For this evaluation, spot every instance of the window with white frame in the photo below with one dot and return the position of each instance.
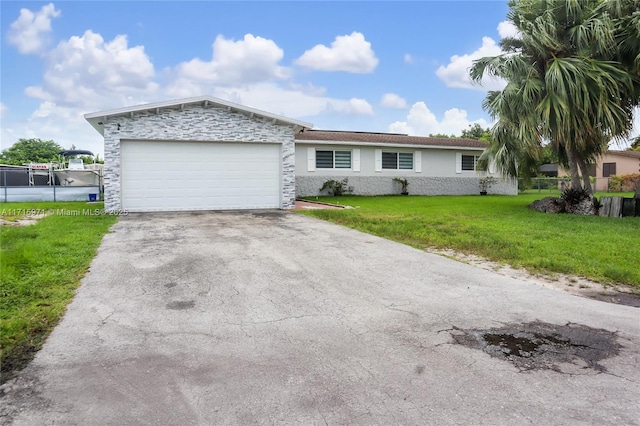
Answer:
(333, 159)
(397, 160)
(469, 162)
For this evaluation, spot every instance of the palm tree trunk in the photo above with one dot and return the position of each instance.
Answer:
(586, 180)
(573, 168)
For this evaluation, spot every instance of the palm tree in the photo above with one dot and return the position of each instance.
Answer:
(571, 78)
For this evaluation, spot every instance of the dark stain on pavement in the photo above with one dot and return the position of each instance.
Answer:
(619, 298)
(179, 305)
(542, 346)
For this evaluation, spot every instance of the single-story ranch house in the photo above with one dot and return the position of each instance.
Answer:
(205, 153)
(611, 163)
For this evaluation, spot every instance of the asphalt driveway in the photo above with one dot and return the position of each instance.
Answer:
(276, 318)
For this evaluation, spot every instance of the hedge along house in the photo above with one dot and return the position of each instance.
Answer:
(198, 153)
(370, 162)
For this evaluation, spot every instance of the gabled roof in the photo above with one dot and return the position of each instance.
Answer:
(97, 118)
(633, 154)
(369, 138)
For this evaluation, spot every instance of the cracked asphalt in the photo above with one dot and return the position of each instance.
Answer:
(276, 318)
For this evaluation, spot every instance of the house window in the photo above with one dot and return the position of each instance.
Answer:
(469, 162)
(397, 160)
(333, 159)
(608, 169)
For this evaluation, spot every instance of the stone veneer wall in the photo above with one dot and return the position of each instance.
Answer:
(194, 123)
(308, 186)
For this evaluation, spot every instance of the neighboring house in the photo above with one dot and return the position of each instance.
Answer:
(370, 161)
(548, 170)
(612, 163)
(205, 153)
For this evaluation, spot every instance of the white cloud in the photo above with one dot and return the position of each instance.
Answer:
(635, 131)
(3, 109)
(86, 71)
(86, 74)
(408, 59)
(247, 72)
(422, 122)
(289, 100)
(391, 100)
(65, 125)
(456, 73)
(44, 110)
(356, 106)
(636, 122)
(350, 53)
(29, 33)
(507, 29)
(250, 60)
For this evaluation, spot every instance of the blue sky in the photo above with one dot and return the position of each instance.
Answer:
(371, 66)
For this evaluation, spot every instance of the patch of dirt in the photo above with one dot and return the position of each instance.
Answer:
(537, 345)
(25, 221)
(618, 294)
(15, 360)
(309, 205)
(18, 394)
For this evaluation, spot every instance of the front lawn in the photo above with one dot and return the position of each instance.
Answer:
(40, 267)
(501, 229)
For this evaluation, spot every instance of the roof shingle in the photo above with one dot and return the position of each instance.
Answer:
(391, 138)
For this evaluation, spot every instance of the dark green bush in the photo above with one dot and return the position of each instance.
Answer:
(626, 182)
(573, 196)
(335, 187)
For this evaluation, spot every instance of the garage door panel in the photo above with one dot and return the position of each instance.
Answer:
(166, 176)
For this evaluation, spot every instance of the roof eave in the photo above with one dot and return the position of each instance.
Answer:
(96, 119)
(389, 144)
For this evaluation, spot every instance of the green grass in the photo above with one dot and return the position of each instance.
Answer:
(501, 229)
(40, 267)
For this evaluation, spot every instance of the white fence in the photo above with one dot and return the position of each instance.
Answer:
(49, 193)
(27, 183)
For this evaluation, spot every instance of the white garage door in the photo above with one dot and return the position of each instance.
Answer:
(171, 176)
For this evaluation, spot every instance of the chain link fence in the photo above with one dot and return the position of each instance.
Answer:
(559, 184)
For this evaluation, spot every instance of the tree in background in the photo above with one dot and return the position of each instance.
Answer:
(572, 81)
(31, 150)
(87, 159)
(635, 145)
(441, 135)
(476, 131)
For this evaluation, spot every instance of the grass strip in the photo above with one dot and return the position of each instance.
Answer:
(40, 267)
(501, 229)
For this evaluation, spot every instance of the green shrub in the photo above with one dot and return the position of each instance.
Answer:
(624, 183)
(404, 183)
(335, 187)
(573, 196)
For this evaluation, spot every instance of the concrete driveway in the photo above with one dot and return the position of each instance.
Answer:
(276, 318)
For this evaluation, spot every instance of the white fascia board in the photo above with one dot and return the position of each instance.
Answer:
(390, 145)
(98, 117)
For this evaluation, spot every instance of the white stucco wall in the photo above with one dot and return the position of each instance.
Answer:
(195, 122)
(437, 175)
